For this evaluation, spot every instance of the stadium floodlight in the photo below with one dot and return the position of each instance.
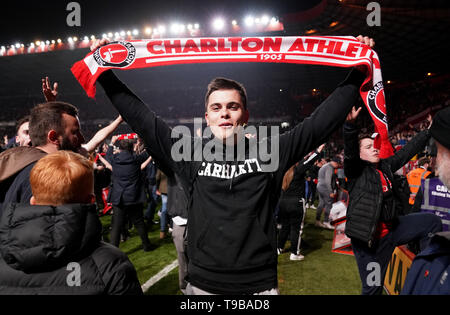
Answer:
(218, 24)
(129, 33)
(249, 21)
(148, 30)
(122, 33)
(110, 34)
(234, 22)
(265, 20)
(75, 38)
(196, 26)
(175, 28)
(135, 32)
(161, 29)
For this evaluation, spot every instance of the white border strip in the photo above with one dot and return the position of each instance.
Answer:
(150, 282)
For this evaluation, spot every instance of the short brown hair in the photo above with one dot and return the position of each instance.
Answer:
(62, 177)
(48, 116)
(226, 84)
(422, 161)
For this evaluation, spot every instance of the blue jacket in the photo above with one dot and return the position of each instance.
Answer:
(430, 270)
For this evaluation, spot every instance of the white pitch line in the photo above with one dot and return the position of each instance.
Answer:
(150, 282)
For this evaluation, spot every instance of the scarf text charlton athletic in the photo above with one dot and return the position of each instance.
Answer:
(336, 51)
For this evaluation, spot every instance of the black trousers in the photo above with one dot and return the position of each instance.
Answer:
(290, 217)
(134, 213)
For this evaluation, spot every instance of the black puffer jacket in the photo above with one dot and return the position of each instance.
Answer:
(46, 250)
(366, 196)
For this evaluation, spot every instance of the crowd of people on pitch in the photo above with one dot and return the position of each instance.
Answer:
(230, 213)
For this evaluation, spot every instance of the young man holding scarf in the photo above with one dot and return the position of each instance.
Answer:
(374, 223)
(232, 234)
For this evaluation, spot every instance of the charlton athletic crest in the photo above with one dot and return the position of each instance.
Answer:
(116, 54)
(376, 102)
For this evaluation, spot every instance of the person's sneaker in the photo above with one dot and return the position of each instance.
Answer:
(313, 207)
(296, 257)
(327, 225)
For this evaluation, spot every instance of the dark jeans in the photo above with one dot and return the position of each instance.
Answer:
(311, 196)
(134, 213)
(152, 202)
(290, 217)
(415, 226)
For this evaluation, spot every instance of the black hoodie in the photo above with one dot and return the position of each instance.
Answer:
(44, 248)
(231, 238)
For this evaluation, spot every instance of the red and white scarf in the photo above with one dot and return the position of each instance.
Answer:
(337, 51)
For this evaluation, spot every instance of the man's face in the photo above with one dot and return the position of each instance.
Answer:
(23, 136)
(72, 139)
(443, 164)
(225, 113)
(367, 152)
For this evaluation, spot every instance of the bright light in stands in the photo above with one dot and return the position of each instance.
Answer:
(249, 21)
(17, 45)
(196, 26)
(32, 45)
(59, 41)
(135, 32)
(265, 20)
(333, 24)
(122, 33)
(234, 22)
(161, 29)
(176, 28)
(110, 34)
(86, 39)
(148, 30)
(273, 20)
(70, 40)
(218, 24)
(75, 38)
